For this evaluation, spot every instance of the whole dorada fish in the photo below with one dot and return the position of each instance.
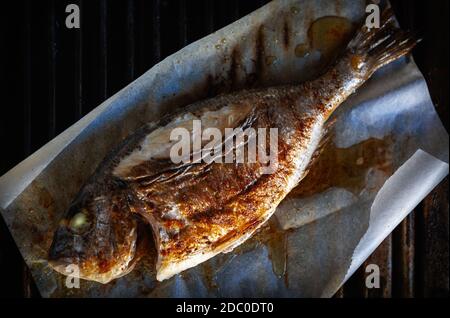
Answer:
(200, 208)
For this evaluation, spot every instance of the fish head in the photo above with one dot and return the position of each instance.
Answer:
(96, 240)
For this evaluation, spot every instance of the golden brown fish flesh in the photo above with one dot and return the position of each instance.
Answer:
(200, 208)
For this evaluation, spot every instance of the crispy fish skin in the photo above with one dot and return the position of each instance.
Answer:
(198, 210)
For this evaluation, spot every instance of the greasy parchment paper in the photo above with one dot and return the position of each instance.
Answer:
(387, 151)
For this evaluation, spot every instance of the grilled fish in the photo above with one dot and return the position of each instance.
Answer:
(199, 209)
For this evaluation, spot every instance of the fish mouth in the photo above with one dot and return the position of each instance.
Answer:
(63, 262)
(71, 269)
(66, 267)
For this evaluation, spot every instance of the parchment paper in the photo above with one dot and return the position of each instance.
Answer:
(387, 152)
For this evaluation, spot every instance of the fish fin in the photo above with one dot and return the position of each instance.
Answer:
(329, 124)
(158, 170)
(326, 139)
(380, 46)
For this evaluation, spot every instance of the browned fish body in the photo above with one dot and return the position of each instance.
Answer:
(200, 209)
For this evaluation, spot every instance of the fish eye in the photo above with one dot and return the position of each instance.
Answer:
(80, 222)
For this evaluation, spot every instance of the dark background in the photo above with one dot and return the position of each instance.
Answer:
(52, 76)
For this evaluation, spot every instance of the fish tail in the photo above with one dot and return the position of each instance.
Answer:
(379, 46)
(369, 50)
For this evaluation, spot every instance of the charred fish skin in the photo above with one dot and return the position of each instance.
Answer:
(222, 217)
(198, 210)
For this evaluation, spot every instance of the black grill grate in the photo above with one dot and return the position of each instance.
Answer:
(53, 76)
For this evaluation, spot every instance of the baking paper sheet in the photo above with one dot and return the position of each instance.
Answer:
(387, 152)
